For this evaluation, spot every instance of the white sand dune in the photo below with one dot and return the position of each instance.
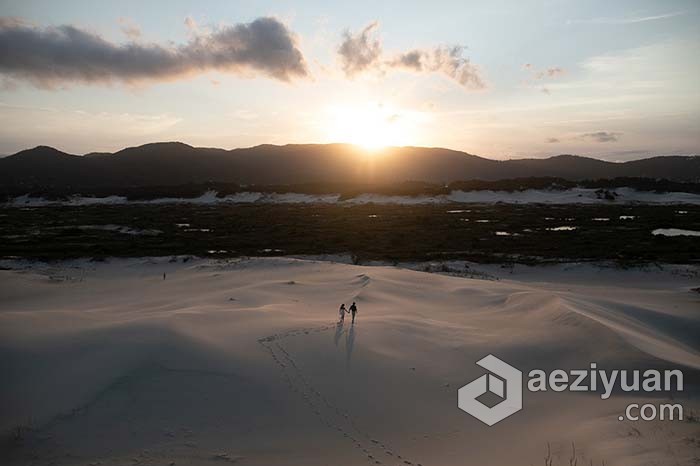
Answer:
(242, 362)
(529, 196)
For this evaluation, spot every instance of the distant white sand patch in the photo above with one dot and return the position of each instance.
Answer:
(530, 196)
(209, 197)
(573, 196)
(297, 198)
(674, 232)
(404, 200)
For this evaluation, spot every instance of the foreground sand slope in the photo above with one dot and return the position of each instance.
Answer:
(242, 362)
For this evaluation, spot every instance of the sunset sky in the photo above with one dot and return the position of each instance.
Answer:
(610, 79)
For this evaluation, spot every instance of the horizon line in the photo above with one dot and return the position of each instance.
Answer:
(357, 146)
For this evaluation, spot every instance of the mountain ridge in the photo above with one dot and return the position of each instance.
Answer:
(336, 144)
(174, 163)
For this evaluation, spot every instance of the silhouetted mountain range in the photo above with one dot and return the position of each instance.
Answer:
(174, 163)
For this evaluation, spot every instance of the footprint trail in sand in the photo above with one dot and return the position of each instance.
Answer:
(330, 415)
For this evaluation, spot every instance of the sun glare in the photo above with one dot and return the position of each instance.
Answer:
(371, 127)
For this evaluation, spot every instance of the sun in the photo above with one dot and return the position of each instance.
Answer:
(370, 126)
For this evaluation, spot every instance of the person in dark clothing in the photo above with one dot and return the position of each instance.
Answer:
(353, 309)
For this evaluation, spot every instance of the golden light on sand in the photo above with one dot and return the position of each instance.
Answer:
(372, 126)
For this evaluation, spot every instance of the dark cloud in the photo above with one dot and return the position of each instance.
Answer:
(602, 136)
(53, 55)
(552, 140)
(363, 52)
(413, 60)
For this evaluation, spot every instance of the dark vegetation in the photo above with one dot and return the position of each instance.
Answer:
(346, 190)
(517, 233)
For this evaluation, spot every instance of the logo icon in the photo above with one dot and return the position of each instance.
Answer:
(504, 381)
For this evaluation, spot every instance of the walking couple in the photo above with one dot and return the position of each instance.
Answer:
(342, 311)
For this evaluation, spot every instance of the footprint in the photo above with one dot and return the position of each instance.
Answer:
(319, 404)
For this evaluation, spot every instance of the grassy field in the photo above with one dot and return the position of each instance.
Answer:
(501, 232)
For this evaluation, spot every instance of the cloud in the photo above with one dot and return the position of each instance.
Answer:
(393, 118)
(628, 20)
(552, 140)
(363, 52)
(445, 60)
(191, 23)
(130, 28)
(602, 136)
(13, 21)
(413, 60)
(549, 73)
(64, 54)
(541, 75)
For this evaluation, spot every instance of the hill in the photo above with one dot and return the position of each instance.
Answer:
(174, 163)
